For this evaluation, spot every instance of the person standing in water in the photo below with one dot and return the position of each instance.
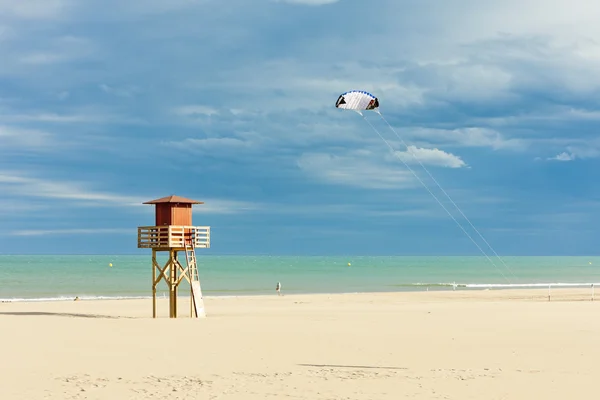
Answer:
(278, 288)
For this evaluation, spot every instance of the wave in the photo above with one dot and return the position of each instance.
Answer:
(83, 298)
(498, 285)
(69, 298)
(525, 285)
(426, 284)
(228, 293)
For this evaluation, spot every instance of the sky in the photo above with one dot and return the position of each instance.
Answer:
(105, 104)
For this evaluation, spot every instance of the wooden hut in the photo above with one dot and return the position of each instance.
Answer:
(174, 232)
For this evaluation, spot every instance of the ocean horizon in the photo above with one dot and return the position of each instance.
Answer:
(64, 277)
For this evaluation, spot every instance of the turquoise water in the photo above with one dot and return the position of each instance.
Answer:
(29, 277)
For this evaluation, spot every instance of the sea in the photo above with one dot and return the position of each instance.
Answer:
(64, 277)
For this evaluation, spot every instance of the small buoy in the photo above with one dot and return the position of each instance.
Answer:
(110, 264)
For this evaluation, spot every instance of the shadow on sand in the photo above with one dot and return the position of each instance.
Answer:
(348, 366)
(51, 314)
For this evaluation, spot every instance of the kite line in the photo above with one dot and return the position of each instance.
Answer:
(447, 195)
(358, 101)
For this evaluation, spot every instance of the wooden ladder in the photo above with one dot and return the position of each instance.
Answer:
(190, 256)
(196, 291)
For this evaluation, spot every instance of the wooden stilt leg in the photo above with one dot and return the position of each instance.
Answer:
(172, 299)
(153, 283)
(172, 239)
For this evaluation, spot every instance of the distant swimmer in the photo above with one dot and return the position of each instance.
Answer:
(278, 288)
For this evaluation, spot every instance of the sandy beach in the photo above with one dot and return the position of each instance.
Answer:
(486, 344)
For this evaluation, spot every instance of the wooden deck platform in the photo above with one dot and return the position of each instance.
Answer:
(173, 237)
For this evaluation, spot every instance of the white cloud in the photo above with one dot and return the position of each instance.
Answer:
(33, 9)
(91, 10)
(469, 137)
(542, 62)
(573, 153)
(430, 157)
(39, 58)
(18, 206)
(478, 82)
(371, 208)
(302, 83)
(354, 170)
(564, 156)
(85, 117)
(222, 206)
(52, 117)
(301, 75)
(560, 217)
(119, 92)
(20, 185)
(195, 110)
(537, 116)
(579, 114)
(55, 50)
(244, 143)
(23, 138)
(417, 212)
(212, 145)
(111, 10)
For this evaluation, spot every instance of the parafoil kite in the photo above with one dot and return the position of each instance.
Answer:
(357, 100)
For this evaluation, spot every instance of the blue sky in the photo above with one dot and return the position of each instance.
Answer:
(105, 104)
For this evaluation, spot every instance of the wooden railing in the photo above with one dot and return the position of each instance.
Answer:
(173, 236)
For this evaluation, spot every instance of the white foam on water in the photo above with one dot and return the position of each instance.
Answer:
(69, 298)
(417, 284)
(526, 285)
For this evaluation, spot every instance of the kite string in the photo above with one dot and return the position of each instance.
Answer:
(434, 196)
(445, 193)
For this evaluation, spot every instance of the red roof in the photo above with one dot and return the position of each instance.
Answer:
(174, 199)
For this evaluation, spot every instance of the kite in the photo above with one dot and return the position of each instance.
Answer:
(357, 100)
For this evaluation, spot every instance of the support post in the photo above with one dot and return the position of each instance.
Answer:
(154, 283)
(173, 285)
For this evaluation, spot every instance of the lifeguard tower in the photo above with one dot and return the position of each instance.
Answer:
(173, 232)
